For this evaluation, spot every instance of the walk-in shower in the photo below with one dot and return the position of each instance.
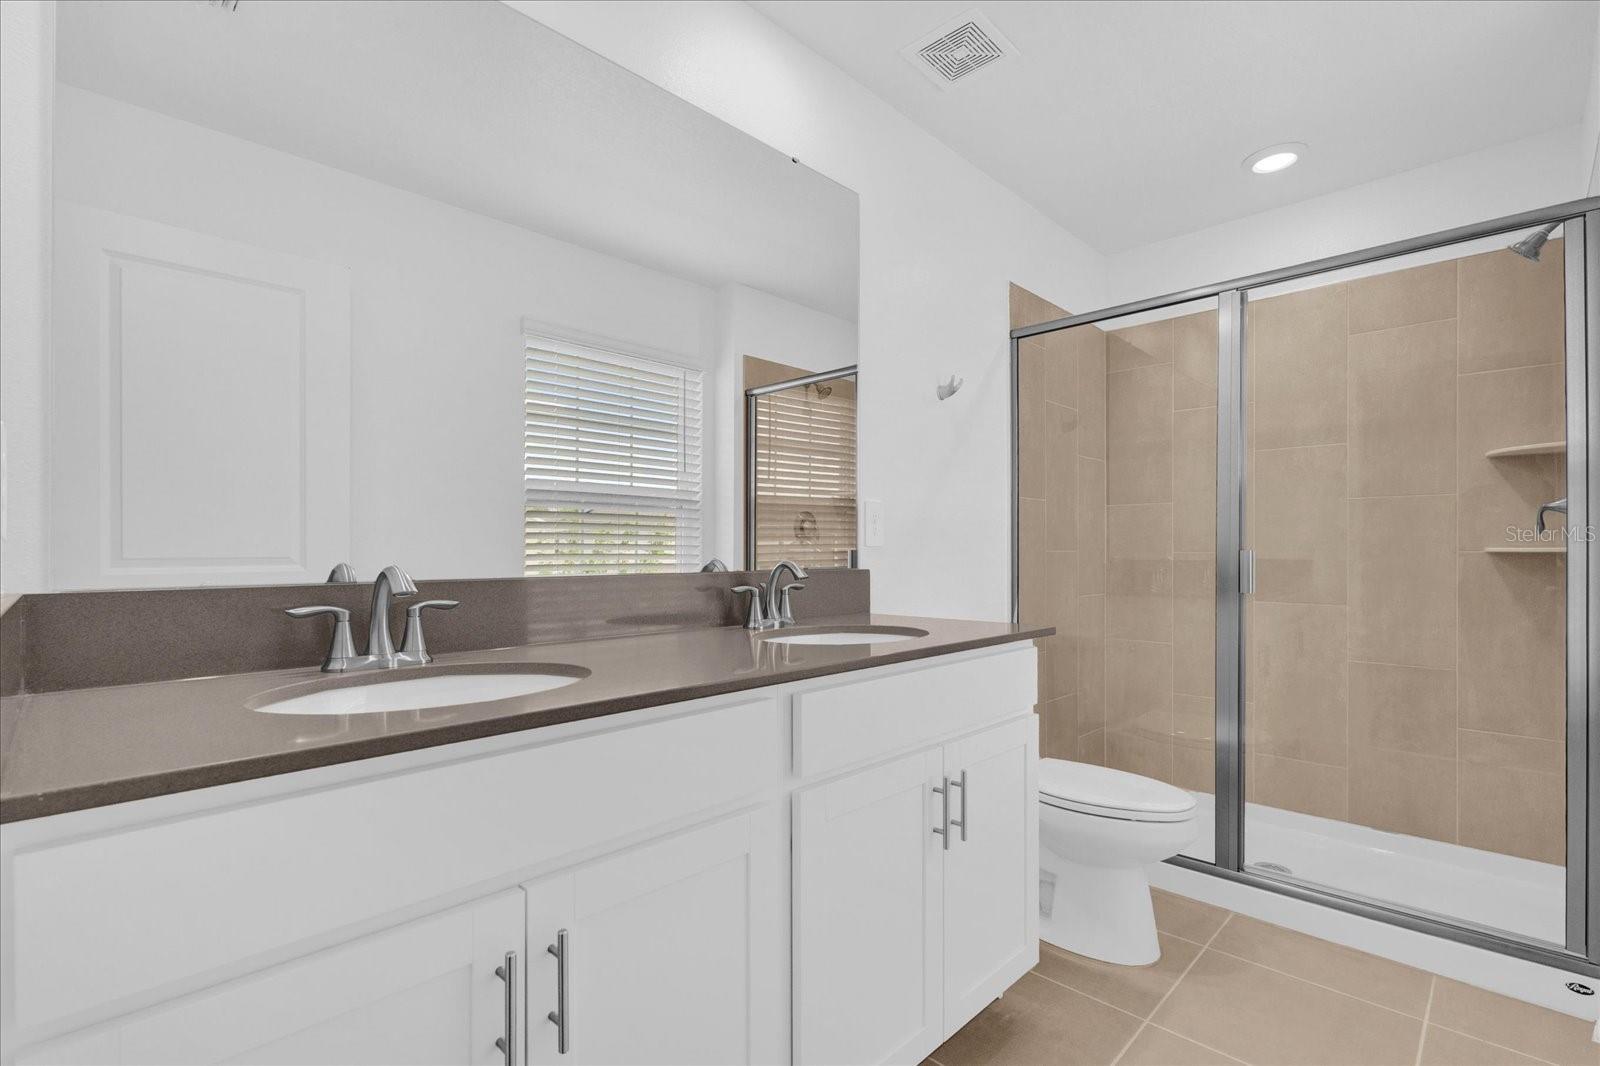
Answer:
(1317, 545)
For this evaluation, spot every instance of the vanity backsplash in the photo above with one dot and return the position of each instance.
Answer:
(67, 640)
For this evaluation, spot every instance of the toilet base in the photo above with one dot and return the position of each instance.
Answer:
(1098, 911)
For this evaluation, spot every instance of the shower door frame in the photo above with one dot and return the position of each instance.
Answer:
(1235, 576)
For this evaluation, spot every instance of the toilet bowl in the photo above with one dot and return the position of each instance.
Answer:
(1098, 828)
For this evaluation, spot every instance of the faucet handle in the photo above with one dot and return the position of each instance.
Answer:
(413, 649)
(785, 612)
(756, 617)
(343, 648)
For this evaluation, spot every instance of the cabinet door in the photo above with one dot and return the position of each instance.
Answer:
(991, 872)
(866, 915)
(423, 992)
(672, 951)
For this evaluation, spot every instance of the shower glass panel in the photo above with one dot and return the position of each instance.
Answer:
(1404, 720)
(1116, 523)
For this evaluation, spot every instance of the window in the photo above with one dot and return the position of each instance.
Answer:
(805, 474)
(611, 462)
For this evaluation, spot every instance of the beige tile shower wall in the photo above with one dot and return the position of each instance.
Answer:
(1161, 411)
(1399, 675)
(1062, 482)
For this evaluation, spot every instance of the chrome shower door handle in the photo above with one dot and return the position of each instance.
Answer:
(944, 815)
(507, 1043)
(962, 785)
(562, 1015)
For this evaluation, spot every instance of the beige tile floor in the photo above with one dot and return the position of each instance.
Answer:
(1231, 989)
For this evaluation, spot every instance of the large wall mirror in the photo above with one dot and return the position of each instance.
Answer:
(374, 281)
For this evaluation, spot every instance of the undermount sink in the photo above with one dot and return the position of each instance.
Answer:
(848, 635)
(380, 692)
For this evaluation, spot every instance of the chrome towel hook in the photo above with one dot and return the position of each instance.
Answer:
(949, 388)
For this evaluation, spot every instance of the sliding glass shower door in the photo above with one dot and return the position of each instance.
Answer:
(1404, 644)
(1319, 543)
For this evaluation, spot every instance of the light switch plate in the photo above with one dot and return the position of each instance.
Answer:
(872, 523)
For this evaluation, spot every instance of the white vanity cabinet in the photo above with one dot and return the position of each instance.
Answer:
(913, 892)
(429, 991)
(667, 953)
(751, 878)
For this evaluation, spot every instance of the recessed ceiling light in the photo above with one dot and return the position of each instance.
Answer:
(1277, 157)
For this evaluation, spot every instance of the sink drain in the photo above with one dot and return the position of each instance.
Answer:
(1270, 868)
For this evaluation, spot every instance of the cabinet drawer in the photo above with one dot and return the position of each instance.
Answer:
(851, 722)
(179, 899)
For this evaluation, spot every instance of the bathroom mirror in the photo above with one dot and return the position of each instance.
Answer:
(326, 272)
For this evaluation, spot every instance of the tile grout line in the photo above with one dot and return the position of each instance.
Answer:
(1145, 1023)
(1196, 1043)
(1318, 984)
(1491, 1043)
(1086, 995)
(1388, 329)
(1427, 1012)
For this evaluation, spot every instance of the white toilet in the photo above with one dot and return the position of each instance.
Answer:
(1098, 828)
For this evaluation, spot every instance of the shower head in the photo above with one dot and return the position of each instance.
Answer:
(1530, 246)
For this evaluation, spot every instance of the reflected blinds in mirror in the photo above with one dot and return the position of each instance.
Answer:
(611, 463)
(805, 464)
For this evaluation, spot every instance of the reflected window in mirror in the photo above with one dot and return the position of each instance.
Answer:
(611, 462)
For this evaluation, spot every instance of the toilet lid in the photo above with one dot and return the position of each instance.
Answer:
(1100, 790)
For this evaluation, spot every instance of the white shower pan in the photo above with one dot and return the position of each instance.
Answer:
(1461, 884)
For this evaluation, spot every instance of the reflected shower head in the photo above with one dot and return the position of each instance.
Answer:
(1530, 246)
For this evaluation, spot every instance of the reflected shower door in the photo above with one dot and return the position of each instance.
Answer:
(1405, 713)
(800, 455)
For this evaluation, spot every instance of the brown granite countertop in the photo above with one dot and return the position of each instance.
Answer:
(71, 750)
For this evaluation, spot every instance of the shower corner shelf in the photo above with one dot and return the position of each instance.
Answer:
(1527, 549)
(1552, 447)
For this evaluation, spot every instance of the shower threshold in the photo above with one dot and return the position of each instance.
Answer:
(1466, 886)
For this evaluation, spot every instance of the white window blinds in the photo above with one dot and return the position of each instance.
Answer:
(805, 474)
(611, 463)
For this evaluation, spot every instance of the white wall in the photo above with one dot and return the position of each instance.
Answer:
(438, 298)
(940, 240)
(1503, 180)
(26, 35)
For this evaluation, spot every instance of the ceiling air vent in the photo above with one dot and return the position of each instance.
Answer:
(959, 50)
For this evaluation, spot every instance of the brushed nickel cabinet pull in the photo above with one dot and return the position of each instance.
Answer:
(962, 785)
(944, 815)
(507, 972)
(562, 1015)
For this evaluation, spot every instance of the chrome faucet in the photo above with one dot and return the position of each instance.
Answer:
(777, 600)
(1554, 505)
(391, 583)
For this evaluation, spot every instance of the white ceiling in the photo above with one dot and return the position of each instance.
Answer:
(471, 103)
(1127, 122)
